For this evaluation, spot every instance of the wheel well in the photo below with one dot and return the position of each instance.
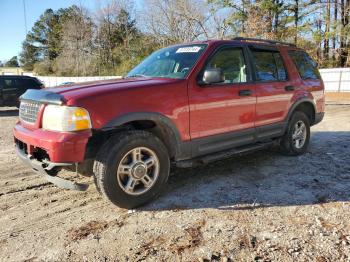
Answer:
(308, 109)
(162, 131)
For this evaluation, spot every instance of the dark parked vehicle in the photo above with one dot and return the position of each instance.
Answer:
(13, 86)
(186, 104)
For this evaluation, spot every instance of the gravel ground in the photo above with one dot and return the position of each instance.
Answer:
(259, 207)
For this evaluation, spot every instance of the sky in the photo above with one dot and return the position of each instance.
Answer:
(12, 25)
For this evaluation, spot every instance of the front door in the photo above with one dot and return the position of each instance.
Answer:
(222, 114)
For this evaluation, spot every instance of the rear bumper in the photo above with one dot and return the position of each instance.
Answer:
(61, 147)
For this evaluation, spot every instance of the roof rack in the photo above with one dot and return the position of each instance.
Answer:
(273, 42)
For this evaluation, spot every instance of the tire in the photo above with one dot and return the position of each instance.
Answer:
(289, 145)
(135, 150)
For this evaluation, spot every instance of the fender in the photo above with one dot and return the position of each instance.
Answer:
(182, 150)
(296, 104)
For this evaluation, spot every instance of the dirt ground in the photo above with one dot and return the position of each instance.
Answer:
(259, 207)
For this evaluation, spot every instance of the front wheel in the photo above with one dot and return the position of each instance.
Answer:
(297, 137)
(131, 168)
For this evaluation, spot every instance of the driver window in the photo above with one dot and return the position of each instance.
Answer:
(231, 61)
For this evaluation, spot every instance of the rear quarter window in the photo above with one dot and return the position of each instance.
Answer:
(306, 67)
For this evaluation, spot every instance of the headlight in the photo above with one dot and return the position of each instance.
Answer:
(65, 118)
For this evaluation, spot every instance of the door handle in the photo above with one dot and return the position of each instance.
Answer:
(245, 92)
(289, 88)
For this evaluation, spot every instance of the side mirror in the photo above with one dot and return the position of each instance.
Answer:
(213, 75)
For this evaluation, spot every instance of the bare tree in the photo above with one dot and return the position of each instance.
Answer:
(116, 27)
(76, 54)
(327, 30)
(176, 21)
(334, 31)
(344, 32)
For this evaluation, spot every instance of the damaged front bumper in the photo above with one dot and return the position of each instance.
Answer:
(44, 169)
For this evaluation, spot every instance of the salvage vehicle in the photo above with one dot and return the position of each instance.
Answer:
(184, 105)
(13, 86)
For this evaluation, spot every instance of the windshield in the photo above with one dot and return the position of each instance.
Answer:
(170, 62)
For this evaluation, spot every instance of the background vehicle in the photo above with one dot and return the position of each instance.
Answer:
(188, 104)
(13, 86)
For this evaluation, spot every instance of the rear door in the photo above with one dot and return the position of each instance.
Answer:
(274, 90)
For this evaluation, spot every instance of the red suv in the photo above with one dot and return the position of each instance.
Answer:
(186, 104)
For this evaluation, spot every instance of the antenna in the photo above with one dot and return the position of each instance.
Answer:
(25, 16)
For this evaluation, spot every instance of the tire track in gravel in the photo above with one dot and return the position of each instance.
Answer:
(55, 215)
(26, 188)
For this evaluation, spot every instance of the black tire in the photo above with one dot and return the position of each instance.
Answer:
(113, 152)
(287, 144)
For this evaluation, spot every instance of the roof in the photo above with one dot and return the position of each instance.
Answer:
(255, 41)
(263, 41)
(16, 76)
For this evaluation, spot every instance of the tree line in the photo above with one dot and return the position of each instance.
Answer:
(116, 36)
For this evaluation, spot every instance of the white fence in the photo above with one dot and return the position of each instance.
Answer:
(50, 81)
(336, 79)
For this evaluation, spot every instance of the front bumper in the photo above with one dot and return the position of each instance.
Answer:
(44, 151)
(61, 147)
(44, 168)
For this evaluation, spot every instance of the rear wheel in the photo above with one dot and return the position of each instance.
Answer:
(131, 168)
(297, 137)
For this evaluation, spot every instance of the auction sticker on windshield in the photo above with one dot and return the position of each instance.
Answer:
(189, 49)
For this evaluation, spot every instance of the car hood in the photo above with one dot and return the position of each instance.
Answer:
(87, 89)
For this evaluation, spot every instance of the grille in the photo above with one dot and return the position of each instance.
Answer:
(28, 111)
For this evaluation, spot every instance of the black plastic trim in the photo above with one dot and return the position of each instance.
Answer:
(296, 104)
(318, 118)
(272, 42)
(270, 131)
(220, 142)
(206, 145)
(43, 96)
(183, 150)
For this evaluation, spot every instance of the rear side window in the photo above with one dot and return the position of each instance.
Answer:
(268, 66)
(307, 67)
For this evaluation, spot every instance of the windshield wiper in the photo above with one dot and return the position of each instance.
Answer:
(136, 75)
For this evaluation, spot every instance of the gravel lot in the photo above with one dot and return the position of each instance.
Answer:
(259, 207)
